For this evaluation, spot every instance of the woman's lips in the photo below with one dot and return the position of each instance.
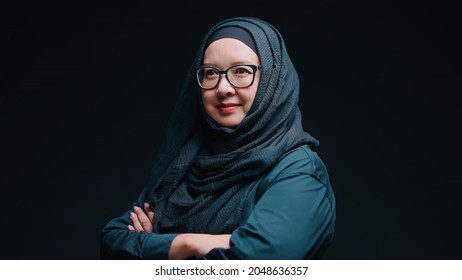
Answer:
(227, 107)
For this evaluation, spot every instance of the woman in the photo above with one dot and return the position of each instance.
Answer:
(236, 176)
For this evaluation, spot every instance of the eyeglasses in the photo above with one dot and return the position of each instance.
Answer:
(239, 76)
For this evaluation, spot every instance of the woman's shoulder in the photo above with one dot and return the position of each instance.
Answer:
(297, 167)
(302, 160)
(300, 157)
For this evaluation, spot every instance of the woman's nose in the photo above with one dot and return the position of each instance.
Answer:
(224, 87)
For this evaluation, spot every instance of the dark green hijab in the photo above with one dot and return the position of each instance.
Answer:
(202, 172)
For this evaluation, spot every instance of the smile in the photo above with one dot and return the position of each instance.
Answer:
(227, 107)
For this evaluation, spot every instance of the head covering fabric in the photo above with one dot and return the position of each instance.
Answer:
(202, 170)
(233, 32)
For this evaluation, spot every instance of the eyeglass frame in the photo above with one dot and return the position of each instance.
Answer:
(255, 68)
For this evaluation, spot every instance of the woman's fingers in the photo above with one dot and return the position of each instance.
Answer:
(143, 219)
(148, 210)
(136, 222)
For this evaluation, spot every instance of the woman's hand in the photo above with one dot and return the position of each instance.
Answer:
(189, 245)
(142, 220)
(184, 246)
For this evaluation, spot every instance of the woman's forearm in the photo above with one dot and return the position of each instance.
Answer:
(189, 245)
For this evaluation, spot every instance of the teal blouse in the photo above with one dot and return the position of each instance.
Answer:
(289, 213)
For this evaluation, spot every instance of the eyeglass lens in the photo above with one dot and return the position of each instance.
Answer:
(238, 76)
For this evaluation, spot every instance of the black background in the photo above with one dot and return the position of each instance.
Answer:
(86, 89)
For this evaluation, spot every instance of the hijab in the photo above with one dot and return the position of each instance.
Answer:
(203, 171)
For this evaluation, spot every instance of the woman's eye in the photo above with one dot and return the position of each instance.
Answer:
(242, 71)
(211, 73)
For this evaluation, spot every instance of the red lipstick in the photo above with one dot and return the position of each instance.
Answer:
(227, 107)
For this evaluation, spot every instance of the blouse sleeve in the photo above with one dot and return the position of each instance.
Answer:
(293, 219)
(117, 242)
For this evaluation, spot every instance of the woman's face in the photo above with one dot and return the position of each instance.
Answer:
(226, 104)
